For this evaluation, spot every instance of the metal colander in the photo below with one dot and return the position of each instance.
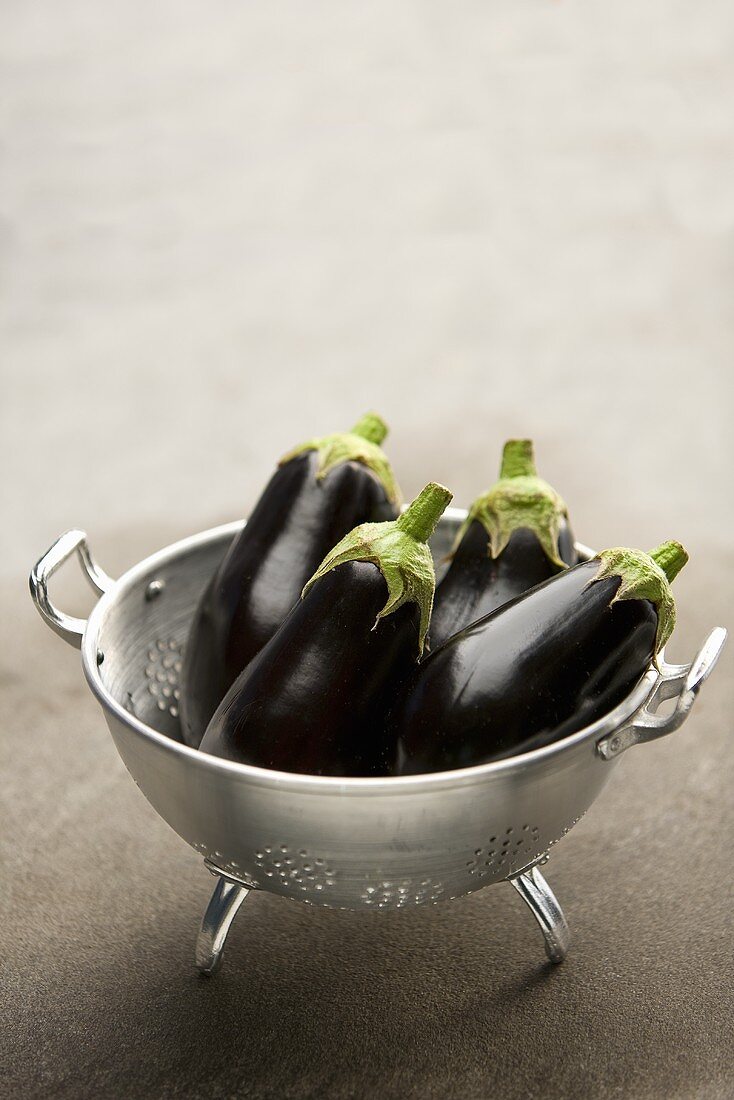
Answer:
(371, 844)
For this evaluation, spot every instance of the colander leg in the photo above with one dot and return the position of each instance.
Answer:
(220, 912)
(540, 899)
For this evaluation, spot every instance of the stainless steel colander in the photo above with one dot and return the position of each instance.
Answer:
(344, 843)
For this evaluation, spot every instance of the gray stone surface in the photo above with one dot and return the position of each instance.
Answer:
(225, 227)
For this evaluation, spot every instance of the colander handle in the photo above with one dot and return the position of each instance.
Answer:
(67, 627)
(682, 682)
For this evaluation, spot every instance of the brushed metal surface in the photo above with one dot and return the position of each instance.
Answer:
(343, 843)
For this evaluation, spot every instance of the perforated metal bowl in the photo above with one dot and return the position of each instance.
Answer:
(347, 843)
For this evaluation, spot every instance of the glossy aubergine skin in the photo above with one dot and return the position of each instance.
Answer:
(476, 584)
(294, 524)
(536, 670)
(314, 699)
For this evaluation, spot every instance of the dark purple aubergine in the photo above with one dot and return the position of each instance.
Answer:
(515, 536)
(540, 668)
(315, 698)
(320, 491)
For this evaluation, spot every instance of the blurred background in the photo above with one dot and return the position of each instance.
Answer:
(226, 228)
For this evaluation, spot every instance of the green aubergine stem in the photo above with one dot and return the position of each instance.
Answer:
(398, 549)
(361, 444)
(646, 577)
(671, 557)
(518, 459)
(520, 499)
(371, 427)
(421, 516)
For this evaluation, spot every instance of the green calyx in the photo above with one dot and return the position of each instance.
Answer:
(398, 549)
(361, 444)
(646, 577)
(520, 499)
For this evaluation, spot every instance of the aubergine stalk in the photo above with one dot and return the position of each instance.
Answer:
(315, 698)
(540, 668)
(320, 491)
(515, 536)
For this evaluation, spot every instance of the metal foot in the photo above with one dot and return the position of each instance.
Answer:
(540, 899)
(220, 912)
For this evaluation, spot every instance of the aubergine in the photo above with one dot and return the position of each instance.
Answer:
(315, 698)
(320, 491)
(549, 663)
(515, 536)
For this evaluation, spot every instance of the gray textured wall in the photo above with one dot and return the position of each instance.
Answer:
(225, 225)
